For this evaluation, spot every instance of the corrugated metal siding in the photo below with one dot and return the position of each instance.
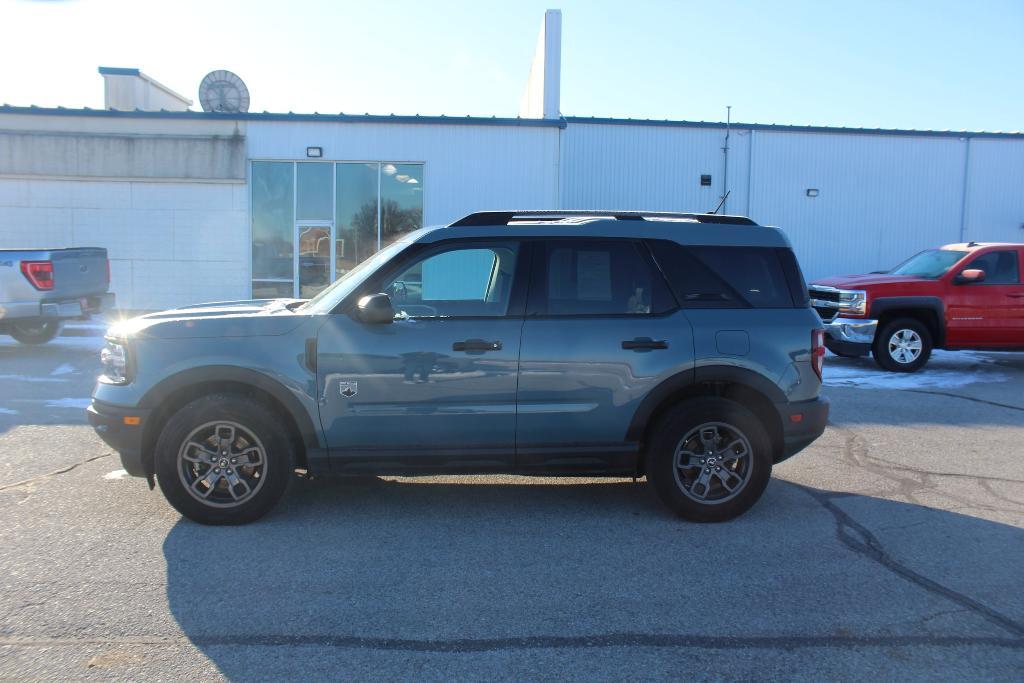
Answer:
(880, 199)
(468, 168)
(995, 191)
(648, 167)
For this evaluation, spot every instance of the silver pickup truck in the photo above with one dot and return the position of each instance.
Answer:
(41, 288)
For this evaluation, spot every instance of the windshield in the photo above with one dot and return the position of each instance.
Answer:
(325, 301)
(929, 264)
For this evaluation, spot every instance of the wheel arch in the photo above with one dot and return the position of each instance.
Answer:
(750, 389)
(174, 392)
(928, 310)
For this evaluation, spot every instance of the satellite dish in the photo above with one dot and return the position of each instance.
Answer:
(223, 91)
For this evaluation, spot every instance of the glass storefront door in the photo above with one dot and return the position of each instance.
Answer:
(313, 221)
(314, 260)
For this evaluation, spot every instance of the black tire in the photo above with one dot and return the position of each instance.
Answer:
(35, 333)
(253, 427)
(897, 359)
(670, 482)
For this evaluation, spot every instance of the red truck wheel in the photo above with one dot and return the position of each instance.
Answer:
(902, 345)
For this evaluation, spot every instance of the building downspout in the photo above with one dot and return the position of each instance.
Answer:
(963, 196)
(725, 154)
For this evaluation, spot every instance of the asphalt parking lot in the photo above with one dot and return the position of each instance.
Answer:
(891, 548)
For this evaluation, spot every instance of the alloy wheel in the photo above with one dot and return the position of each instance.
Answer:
(905, 346)
(713, 463)
(222, 464)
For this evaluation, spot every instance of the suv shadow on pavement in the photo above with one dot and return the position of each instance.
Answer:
(455, 577)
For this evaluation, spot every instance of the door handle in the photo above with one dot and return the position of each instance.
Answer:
(476, 345)
(1016, 295)
(644, 344)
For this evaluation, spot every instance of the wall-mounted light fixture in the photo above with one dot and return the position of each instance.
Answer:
(812, 192)
(314, 152)
(705, 180)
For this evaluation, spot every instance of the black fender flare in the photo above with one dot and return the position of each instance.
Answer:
(707, 374)
(156, 395)
(933, 304)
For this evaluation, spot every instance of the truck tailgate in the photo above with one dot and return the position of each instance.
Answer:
(78, 272)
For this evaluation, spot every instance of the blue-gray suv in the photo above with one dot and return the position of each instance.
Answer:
(680, 347)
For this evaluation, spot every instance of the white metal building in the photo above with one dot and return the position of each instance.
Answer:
(209, 206)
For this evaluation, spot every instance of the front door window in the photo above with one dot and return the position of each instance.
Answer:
(471, 281)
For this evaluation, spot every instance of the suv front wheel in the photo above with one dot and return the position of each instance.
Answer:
(223, 459)
(709, 459)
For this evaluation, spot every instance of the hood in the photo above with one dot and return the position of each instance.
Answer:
(861, 281)
(255, 317)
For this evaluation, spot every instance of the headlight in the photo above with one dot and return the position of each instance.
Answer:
(114, 358)
(855, 302)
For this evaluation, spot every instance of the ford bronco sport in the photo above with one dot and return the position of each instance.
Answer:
(680, 347)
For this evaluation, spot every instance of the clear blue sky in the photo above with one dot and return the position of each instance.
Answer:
(923, 64)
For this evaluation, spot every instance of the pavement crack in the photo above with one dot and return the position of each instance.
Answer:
(32, 480)
(997, 404)
(860, 540)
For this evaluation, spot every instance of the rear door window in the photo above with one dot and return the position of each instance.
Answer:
(724, 277)
(599, 277)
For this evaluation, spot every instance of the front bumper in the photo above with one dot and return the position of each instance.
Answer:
(851, 336)
(802, 423)
(109, 422)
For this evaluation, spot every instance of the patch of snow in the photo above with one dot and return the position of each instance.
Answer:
(945, 369)
(115, 475)
(30, 378)
(82, 403)
(64, 369)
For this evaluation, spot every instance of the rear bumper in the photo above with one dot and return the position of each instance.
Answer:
(802, 423)
(109, 422)
(59, 309)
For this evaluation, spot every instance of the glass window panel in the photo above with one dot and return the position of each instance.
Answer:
(602, 278)
(272, 220)
(401, 196)
(467, 281)
(264, 289)
(314, 201)
(356, 217)
(314, 260)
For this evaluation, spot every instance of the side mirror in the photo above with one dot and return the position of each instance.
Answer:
(970, 276)
(375, 309)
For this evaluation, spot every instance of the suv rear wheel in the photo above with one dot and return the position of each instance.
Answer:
(902, 345)
(223, 459)
(709, 459)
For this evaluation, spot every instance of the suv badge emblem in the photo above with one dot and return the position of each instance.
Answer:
(348, 389)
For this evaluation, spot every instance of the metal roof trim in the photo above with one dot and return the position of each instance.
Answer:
(787, 128)
(290, 116)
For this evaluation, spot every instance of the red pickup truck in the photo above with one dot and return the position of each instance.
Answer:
(961, 296)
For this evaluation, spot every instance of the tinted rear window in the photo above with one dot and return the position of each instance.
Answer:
(596, 277)
(724, 277)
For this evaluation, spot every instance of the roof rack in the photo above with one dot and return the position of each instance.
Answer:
(505, 217)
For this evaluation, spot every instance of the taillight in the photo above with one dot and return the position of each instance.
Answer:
(818, 352)
(38, 273)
